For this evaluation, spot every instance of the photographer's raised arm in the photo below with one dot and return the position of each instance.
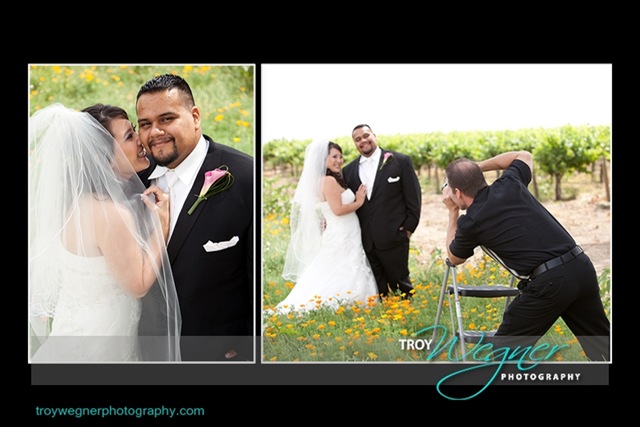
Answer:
(502, 161)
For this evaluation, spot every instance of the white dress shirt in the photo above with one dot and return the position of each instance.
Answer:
(368, 168)
(178, 181)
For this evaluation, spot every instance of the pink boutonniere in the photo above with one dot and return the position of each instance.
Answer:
(386, 159)
(215, 181)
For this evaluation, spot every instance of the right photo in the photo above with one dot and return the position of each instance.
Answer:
(436, 213)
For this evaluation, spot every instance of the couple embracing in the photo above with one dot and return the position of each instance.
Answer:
(351, 228)
(125, 265)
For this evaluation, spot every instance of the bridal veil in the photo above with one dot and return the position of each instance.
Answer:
(306, 219)
(77, 173)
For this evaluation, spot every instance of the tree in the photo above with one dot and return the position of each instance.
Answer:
(563, 151)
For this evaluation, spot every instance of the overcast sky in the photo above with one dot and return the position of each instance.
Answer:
(306, 101)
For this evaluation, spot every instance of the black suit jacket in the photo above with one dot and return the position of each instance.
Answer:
(216, 290)
(395, 202)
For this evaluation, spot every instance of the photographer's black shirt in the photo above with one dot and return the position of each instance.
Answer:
(507, 220)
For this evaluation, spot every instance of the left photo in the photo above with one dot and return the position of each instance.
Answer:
(141, 213)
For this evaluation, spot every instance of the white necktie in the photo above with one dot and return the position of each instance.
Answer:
(171, 178)
(367, 174)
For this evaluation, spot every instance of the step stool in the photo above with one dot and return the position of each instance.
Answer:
(476, 291)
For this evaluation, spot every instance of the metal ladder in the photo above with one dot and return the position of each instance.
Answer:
(477, 291)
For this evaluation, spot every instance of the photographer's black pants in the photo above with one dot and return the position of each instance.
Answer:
(569, 291)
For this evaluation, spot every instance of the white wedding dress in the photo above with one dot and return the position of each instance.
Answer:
(95, 320)
(340, 273)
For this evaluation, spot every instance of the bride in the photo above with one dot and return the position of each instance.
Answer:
(96, 243)
(325, 256)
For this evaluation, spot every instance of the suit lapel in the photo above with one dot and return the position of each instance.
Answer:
(186, 222)
(357, 172)
(352, 174)
(378, 178)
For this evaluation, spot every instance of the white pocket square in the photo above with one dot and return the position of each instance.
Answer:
(218, 246)
(392, 180)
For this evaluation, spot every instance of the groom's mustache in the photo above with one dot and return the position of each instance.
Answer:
(161, 141)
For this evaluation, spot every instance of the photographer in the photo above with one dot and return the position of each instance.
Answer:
(557, 279)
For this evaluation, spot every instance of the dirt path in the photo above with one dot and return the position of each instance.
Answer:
(587, 218)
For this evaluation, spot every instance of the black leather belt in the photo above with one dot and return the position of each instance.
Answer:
(552, 263)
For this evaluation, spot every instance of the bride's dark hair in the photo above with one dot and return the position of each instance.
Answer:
(338, 176)
(105, 114)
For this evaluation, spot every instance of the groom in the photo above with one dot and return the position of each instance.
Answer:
(391, 211)
(211, 247)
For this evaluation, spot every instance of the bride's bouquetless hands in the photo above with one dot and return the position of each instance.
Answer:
(160, 203)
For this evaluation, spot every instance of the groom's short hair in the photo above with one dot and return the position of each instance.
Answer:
(168, 82)
(361, 126)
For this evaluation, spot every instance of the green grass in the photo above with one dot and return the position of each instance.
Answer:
(224, 94)
(371, 333)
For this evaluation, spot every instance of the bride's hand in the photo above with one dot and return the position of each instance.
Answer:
(361, 194)
(159, 203)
